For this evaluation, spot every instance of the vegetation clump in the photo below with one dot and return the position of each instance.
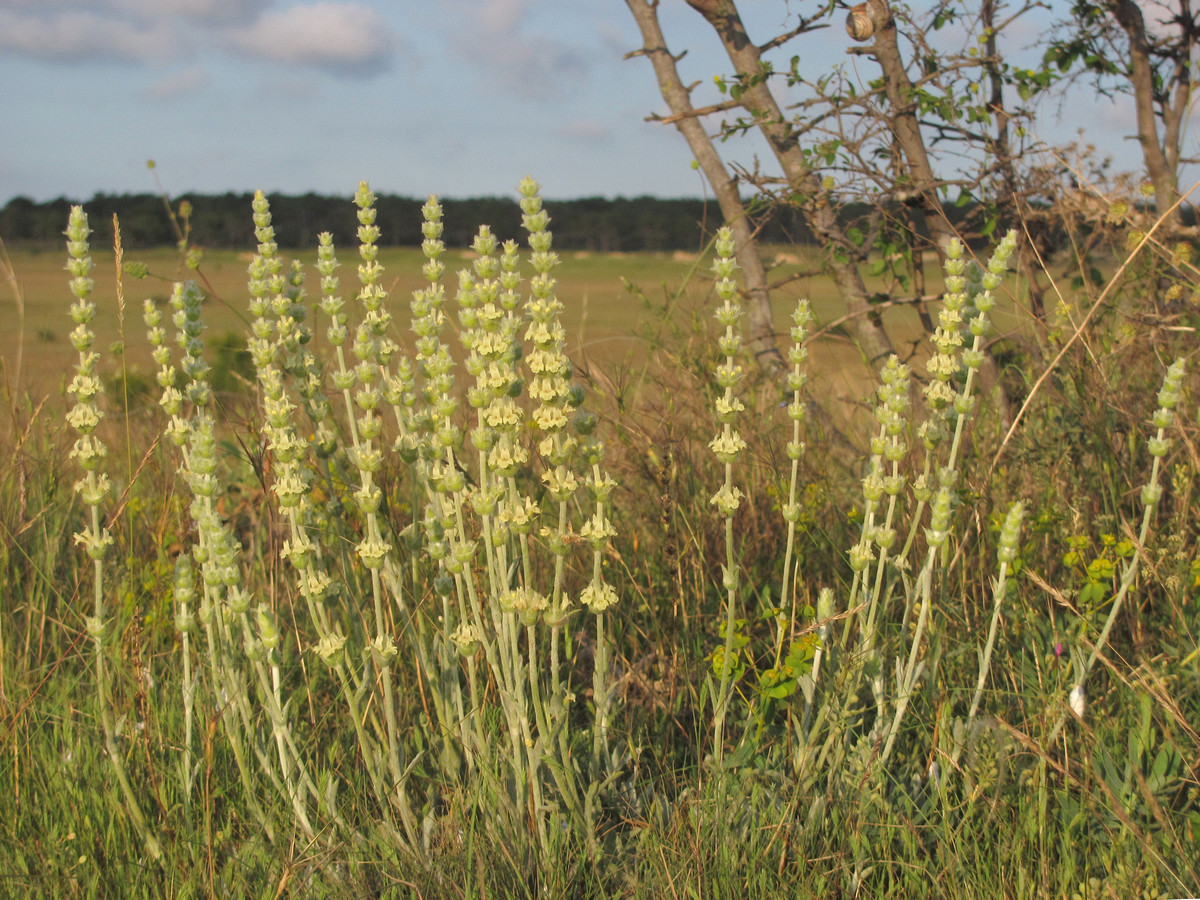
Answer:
(445, 649)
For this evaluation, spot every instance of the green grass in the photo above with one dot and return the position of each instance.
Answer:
(604, 319)
(1104, 807)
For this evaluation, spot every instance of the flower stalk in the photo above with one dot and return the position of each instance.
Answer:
(90, 452)
(726, 446)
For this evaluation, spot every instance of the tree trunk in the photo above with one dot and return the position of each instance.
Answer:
(758, 100)
(1129, 16)
(1011, 196)
(898, 88)
(760, 318)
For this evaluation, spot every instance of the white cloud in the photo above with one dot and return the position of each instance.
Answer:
(332, 35)
(200, 11)
(46, 5)
(490, 36)
(69, 35)
(205, 10)
(502, 15)
(341, 35)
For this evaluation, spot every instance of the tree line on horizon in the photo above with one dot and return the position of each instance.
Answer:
(224, 220)
(596, 224)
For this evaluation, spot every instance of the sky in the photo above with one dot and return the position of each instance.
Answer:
(455, 97)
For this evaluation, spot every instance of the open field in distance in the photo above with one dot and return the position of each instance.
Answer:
(607, 322)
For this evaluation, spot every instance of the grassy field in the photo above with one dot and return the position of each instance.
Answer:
(398, 646)
(606, 322)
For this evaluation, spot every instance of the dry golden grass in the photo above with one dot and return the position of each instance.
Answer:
(605, 321)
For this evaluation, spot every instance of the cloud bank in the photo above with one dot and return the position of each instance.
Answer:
(342, 36)
(501, 48)
(328, 34)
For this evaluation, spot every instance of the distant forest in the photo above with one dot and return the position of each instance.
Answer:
(223, 220)
(590, 223)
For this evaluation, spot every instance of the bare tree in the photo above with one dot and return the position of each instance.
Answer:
(757, 99)
(843, 143)
(1112, 42)
(725, 186)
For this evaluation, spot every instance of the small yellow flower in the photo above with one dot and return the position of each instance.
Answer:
(84, 418)
(597, 530)
(727, 445)
(598, 596)
(372, 552)
(329, 648)
(467, 638)
(525, 603)
(727, 500)
(549, 418)
(502, 413)
(561, 482)
(518, 513)
(384, 648)
(315, 584)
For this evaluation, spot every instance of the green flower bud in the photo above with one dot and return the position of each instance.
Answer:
(825, 604)
(1010, 533)
(1158, 447)
(860, 557)
(330, 649)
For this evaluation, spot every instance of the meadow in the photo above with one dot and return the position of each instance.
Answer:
(614, 305)
(371, 578)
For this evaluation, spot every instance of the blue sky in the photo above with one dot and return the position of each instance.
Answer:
(455, 97)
